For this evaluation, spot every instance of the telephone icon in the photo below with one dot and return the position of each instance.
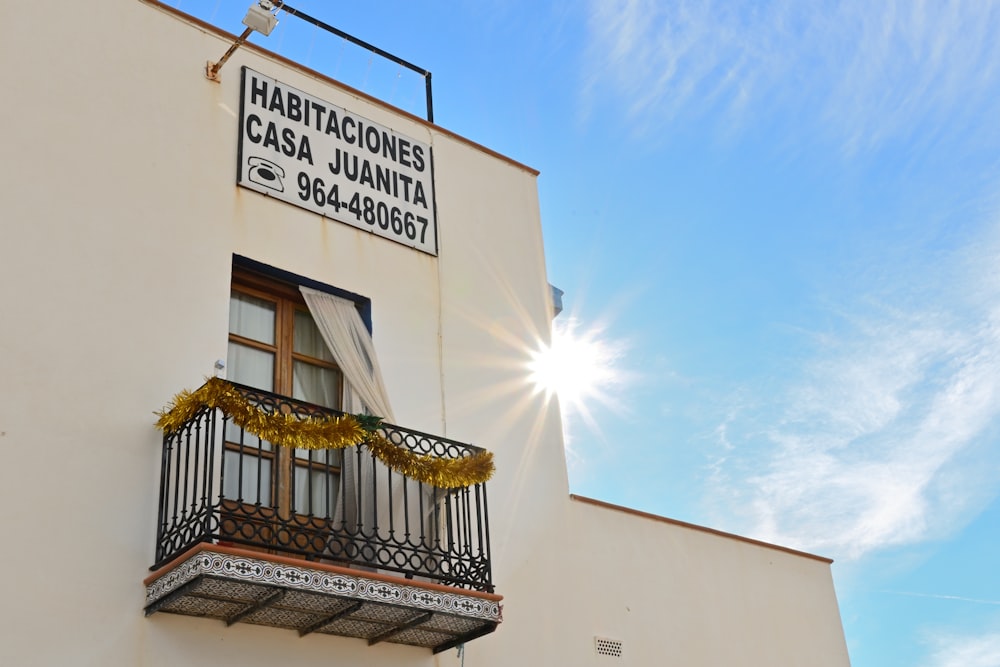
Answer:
(266, 173)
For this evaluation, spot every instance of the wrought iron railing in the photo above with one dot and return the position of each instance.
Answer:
(221, 484)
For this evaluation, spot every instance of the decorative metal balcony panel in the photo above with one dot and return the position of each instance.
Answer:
(221, 484)
(235, 586)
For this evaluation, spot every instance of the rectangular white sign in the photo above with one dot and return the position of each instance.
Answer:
(318, 156)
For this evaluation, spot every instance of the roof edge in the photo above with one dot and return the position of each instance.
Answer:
(692, 526)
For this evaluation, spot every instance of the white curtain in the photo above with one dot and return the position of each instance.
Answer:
(346, 335)
(348, 339)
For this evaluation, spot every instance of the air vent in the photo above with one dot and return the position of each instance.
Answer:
(609, 647)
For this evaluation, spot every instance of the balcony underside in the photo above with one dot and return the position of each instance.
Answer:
(240, 586)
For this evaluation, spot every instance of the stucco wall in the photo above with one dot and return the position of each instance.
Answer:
(120, 218)
(676, 594)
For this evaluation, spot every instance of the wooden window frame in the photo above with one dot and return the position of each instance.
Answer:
(287, 300)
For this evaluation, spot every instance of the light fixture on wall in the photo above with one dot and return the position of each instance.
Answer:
(259, 17)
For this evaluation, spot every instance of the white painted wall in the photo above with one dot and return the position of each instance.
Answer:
(119, 218)
(677, 594)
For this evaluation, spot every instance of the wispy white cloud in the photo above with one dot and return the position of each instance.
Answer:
(965, 651)
(938, 596)
(868, 72)
(880, 437)
(880, 440)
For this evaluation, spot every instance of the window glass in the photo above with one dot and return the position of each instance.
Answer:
(315, 491)
(246, 487)
(315, 384)
(251, 317)
(250, 366)
(308, 339)
(319, 456)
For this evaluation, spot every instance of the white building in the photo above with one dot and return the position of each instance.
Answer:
(154, 222)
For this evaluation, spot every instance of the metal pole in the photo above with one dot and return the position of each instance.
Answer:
(212, 70)
(430, 102)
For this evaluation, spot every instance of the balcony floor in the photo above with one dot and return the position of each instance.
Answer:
(241, 586)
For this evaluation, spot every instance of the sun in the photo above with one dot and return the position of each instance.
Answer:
(580, 367)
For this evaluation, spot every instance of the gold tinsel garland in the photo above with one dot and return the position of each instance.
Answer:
(286, 430)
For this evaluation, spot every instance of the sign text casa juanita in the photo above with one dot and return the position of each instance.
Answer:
(323, 158)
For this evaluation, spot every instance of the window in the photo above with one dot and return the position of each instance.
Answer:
(274, 345)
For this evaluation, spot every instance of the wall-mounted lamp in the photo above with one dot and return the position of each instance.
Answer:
(259, 18)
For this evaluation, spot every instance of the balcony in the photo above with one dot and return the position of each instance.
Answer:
(278, 512)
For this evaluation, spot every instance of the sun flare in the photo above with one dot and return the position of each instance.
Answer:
(579, 367)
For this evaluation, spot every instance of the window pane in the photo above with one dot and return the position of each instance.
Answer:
(251, 317)
(330, 457)
(250, 366)
(315, 384)
(316, 491)
(308, 339)
(246, 489)
(250, 441)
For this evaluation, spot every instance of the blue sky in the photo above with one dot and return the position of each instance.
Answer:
(780, 223)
